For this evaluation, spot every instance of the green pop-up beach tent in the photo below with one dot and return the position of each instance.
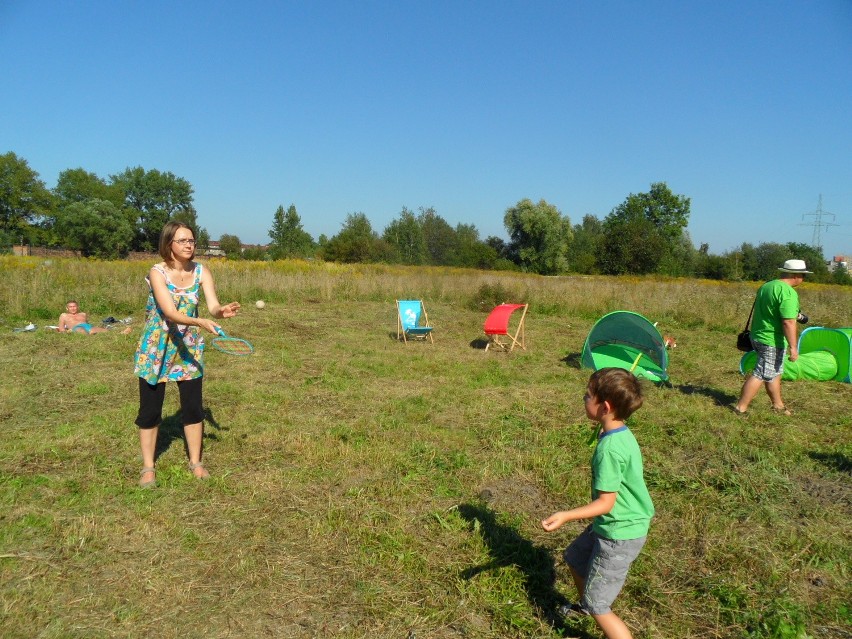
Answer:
(624, 339)
(824, 354)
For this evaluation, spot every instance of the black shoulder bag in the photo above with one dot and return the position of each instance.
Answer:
(744, 338)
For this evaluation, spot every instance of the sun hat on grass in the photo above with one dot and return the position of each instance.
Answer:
(795, 266)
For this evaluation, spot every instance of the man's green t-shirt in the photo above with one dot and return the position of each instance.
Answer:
(775, 301)
(617, 468)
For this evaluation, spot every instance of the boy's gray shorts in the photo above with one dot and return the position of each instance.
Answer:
(604, 563)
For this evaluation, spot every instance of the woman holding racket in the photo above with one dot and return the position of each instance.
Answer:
(171, 348)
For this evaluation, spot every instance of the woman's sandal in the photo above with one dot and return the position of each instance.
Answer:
(151, 483)
(204, 475)
(783, 410)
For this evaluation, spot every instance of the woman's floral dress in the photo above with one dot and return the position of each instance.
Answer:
(170, 352)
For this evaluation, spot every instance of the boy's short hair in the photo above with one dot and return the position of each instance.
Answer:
(620, 388)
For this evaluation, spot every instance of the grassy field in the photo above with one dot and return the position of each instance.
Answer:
(363, 487)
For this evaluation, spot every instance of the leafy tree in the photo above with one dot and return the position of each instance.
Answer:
(714, 267)
(631, 245)
(97, 228)
(405, 235)
(356, 242)
(501, 249)
(202, 241)
(155, 198)
(24, 199)
(665, 210)
(499, 246)
(761, 263)
(679, 258)
(255, 253)
(748, 262)
(289, 239)
(470, 251)
(539, 236)
(840, 275)
(645, 234)
(711, 267)
(582, 255)
(79, 185)
(232, 246)
(767, 258)
(439, 236)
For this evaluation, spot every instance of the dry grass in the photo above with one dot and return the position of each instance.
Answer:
(362, 487)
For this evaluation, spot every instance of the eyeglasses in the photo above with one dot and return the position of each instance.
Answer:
(185, 242)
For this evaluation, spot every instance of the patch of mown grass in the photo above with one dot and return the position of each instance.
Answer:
(364, 487)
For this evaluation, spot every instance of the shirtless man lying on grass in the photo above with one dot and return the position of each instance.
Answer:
(73, 320)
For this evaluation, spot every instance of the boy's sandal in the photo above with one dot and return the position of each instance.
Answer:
(783, 410)
(203, 475)
(151, 483)
(737, 411)
(572, 610)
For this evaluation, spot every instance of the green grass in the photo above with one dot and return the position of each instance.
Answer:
(363, 487)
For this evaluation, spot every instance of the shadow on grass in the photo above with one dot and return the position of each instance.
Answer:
(719, 396)
(171, 428)
(479, 343)
(835, 461)
(422, 339)
(574, 360)
(508, 548)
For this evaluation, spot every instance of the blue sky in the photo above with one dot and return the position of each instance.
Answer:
(467, 107)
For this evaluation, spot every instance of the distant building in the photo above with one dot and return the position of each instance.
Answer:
(213, 250)
(259, 247)
(839, 260)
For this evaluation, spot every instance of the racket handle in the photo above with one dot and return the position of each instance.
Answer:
(220, 331)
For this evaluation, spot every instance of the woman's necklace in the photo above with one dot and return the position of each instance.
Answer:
(180, 277)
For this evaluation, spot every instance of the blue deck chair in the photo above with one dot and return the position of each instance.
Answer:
(412, 321)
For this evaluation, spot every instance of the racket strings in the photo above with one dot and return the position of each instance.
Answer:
(232, 345)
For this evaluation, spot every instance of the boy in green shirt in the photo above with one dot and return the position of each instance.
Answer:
(621, 507)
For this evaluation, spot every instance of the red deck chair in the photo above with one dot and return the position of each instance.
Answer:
(497, 324)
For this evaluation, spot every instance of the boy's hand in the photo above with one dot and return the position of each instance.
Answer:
(554, 521)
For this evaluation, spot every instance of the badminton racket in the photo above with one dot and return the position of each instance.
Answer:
(231, 345)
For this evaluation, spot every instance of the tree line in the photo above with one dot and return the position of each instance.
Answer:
(645, 234)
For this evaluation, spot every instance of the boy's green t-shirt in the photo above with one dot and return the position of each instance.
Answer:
(617, 468)
(775, 301)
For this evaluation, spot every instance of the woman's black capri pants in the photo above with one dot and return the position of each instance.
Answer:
(151, 398)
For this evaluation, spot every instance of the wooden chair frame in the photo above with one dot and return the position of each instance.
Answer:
(419, 332)
(497, 325)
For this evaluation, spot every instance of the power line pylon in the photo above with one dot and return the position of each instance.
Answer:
(818, 223)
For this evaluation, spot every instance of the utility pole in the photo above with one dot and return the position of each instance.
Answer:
(818, 223)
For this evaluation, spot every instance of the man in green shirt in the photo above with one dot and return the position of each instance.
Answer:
(776, 308)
